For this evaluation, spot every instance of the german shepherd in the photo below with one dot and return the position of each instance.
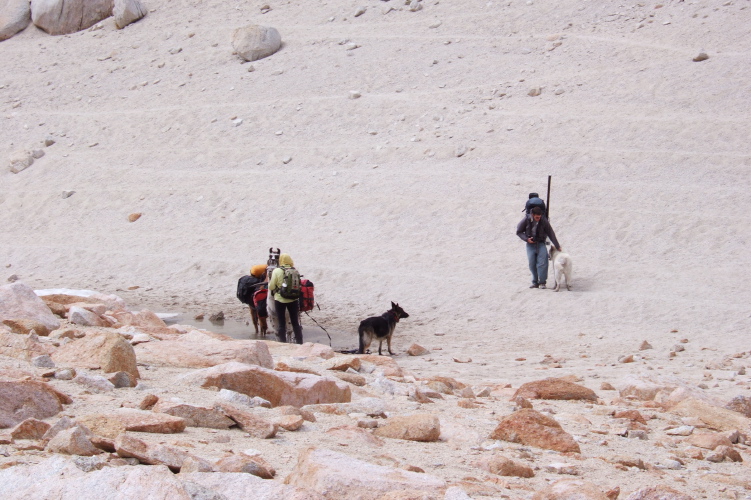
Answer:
(380, 327)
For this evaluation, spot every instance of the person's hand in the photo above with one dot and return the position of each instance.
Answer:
(559, 249)
(530, 240)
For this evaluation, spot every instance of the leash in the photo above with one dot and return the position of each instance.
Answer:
(319, 325)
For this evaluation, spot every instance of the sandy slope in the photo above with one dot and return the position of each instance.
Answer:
(648, 150)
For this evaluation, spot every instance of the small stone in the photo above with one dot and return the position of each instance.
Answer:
(645, 345)
(462, 360)
(561, 468)
(637, 434)
(461, 151)
(534, 92)
(68, 194)
(237, 122)
(134, 217)
(65, 374)
(435, 25)
(360, 11)
(683, 430)
(354, 94)
(702, 56)
(217, 317)
(286, 159)
(43, 361)
(672, 464)
(626, 359)
(606, 386)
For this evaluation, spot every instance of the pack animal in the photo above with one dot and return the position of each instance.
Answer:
(380, 328)
(562, 267)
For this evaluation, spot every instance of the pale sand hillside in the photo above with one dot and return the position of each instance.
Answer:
(648, 150)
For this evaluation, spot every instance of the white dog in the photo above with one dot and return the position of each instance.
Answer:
(562, 267)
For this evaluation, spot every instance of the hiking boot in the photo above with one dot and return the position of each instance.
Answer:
(542, 286)
(534, 285)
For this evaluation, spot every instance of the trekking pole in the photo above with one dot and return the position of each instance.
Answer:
(547, 202)
(319, 326)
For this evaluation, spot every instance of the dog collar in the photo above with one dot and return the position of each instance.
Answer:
(396, 316)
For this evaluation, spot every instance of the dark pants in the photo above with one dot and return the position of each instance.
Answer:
(294, 316)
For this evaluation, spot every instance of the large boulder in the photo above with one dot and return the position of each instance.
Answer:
(532, 428)
(57, 298)
(99, 349)
(202, 351)
(127, 11)
(18, 301)
(61, 17)
(279, 388)
(341, 477)
(255, 42)
(234, 485)
(15, 15)
(73, 441)
(555, 388)
(28, 399)
(111, 425)
(59, 478)
(713, 416)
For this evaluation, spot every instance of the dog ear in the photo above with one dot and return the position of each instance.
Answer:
(393, 305)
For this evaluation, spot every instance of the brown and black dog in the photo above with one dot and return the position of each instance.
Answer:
(380, 328)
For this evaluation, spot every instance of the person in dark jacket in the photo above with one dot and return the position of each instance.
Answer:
(534, 229)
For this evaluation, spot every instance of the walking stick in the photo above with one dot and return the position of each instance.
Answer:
(547, 202)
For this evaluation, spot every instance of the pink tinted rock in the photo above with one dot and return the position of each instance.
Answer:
(18, 301)
(279, 388)
(342, 477)
(253, 424)
(234, 485)
(73, 441)
(570, 489)
(195, 416)
(532, 428)
(244, 463)
(20, 400)
(555, 388)
(204, 353)
(30, 428)
(99, 349)
(129, 446)
(419, 427)
(113, 424)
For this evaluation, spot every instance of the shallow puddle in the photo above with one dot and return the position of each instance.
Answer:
(240, 330)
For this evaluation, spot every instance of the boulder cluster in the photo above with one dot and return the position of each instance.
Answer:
(62, 17)
(99, 400)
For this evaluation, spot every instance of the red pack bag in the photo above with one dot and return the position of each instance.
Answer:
(307, 298)
(259, 301)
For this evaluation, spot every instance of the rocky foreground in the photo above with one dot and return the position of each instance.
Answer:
(97, 401)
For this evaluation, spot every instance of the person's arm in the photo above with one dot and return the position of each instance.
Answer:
(276, 280)
(551, 235)
(521, 230)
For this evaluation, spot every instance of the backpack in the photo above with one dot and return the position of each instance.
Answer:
(290, 288)
(307, 299)
(246, 286)
(259, 301)
(532, 203)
